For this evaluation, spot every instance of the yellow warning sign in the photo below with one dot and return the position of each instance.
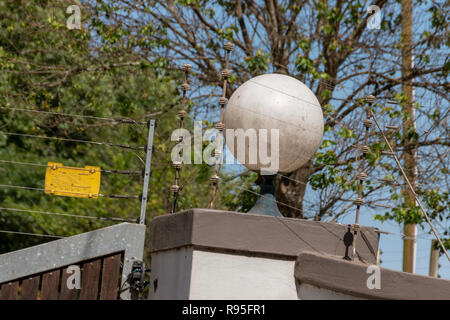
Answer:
(71, 181)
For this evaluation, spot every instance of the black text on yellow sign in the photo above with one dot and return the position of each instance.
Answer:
(71, 181)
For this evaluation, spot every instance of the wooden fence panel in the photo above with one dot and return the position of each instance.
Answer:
(100, 279)
(66, 293)
(50, 282)
(110, 277)
(89, 280)
(30, 288)
(9, 291)
(125, 238)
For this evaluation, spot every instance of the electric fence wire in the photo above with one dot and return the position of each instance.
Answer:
(289, 123)
(372, 113)
(284, 121)
(126, 172)
(114, 196)
(280, 220)
(262, 195)
(31, 234)
(142, 148)
(115, 120)
(227, 183)
(303, 183)
(404, 236)
(72, 140)
(230, 180)
(68, 215)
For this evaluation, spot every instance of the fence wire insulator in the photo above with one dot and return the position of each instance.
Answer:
(359, 201)
(175, 188)
(395, 128)
(368, 123)
(362, 176)
(220, 126)
(214, 179)
(223, 101)
(182, 114)
(365, 150)
(177, 165)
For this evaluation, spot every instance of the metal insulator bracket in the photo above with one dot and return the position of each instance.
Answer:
(370, 99)
(362, 176)
(228, 46)
(368, 123)
(177, 165)
(226, 73)
(187, 67)
(358, 202)
(220, 126)
(392, 128)
(214, 179)
(223, 101)
(182, 114)
(185, 87)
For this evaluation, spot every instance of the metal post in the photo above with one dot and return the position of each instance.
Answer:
(147, 171)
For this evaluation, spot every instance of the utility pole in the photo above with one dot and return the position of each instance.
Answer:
(434, 259)
(410, 153)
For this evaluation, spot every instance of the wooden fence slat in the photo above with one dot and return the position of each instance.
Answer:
(9, 291)
(66, 293)
(30, 288)
(110, 277)
(89, 280)
(50, 281)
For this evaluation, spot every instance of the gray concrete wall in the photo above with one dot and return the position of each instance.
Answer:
(256, 234)
(186, 273)
(358, 280)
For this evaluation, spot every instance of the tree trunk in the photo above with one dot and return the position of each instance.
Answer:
(291, 191)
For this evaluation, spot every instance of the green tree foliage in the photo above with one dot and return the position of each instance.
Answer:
(47, 67)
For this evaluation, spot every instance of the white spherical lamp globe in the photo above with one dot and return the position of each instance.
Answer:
(283, 103)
